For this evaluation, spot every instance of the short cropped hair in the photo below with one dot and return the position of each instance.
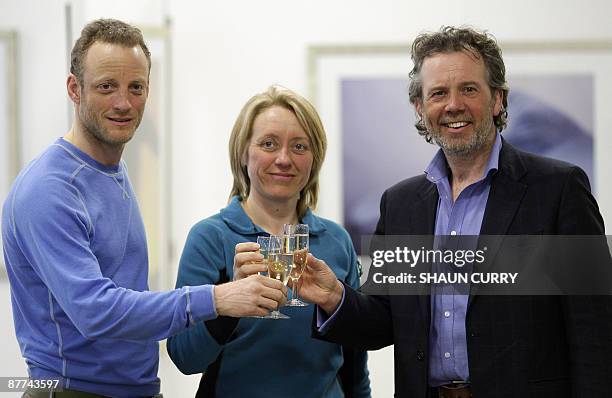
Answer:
(107, 31)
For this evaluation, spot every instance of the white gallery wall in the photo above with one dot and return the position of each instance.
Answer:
(224, 52)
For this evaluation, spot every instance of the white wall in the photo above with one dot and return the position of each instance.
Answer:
(41, 88)
(225, 51)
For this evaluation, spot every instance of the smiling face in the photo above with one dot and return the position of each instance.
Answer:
(279, 158)
(457, 104)
(110, 101)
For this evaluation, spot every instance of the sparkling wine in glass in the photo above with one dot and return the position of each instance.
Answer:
(300, 243)
(264, 245)
(279, 266)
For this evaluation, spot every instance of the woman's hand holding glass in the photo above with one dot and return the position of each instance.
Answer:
(267, 255)
(248, 260)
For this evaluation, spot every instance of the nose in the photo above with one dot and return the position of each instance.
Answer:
(455, 103)
(283, 158)
(121, 101)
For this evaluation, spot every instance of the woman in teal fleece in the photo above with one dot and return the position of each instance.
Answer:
(277, 148)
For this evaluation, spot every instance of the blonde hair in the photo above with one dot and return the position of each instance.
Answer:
(242, 132)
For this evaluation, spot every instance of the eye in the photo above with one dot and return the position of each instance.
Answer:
(300, 147)
(470, 90)
(436, 94)
(268, 144)
(138, 88)
(105, 87)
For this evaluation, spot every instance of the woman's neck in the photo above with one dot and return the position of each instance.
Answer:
(271, 216)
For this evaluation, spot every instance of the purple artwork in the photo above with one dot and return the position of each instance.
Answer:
(548, 115)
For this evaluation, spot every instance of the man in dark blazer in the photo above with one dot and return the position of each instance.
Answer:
(476, 346)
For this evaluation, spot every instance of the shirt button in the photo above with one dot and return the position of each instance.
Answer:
(420, 355)
(447, 355)
(446, 314)
(453, 232)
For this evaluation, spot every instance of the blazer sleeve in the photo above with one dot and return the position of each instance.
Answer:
(588, 318)
(362, 321)
(354, 374)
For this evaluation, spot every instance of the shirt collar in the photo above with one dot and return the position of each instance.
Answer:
(438, 167)
(85, 158)
(237, 219)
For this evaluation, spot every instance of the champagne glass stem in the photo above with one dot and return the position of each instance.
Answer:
(296, 291)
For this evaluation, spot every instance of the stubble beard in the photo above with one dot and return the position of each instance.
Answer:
(474, 144)
(93, 126)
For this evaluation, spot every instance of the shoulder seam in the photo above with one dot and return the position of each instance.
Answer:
(85, 164)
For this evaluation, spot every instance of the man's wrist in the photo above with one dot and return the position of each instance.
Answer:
(335, 297)
(217, 296)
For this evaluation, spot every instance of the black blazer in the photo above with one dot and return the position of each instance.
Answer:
(518, 346)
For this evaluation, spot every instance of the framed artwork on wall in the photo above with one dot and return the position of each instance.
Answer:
(148, 158)
(148, 154)
(9, 120)
(557, 108)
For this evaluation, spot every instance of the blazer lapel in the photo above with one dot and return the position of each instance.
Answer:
(424, 214)
(504, 200)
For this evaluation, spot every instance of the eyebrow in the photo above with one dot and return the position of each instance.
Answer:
(113, 79)
(275, 135)
(442, 86)
(471, 83)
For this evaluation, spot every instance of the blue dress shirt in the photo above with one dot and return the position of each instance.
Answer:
(447, 338)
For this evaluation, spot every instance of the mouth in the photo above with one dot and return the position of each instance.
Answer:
(456, 126)
(282, 176)
(120, 121)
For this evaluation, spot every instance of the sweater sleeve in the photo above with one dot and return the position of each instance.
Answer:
(54, 236)
(202, 262)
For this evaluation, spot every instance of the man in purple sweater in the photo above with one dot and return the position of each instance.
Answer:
(75, 246)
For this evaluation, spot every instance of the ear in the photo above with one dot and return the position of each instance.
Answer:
(497, 107)
(74, 89)
(418, 107)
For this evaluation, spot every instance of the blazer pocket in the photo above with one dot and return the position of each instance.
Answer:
(559, 387)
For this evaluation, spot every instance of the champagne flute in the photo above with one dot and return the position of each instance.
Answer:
(279, 266)
(264, 245)
(300, 252)
(289, 247)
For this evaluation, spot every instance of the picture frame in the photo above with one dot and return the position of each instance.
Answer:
(148, 157)
(371, 81)
(10, 158)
